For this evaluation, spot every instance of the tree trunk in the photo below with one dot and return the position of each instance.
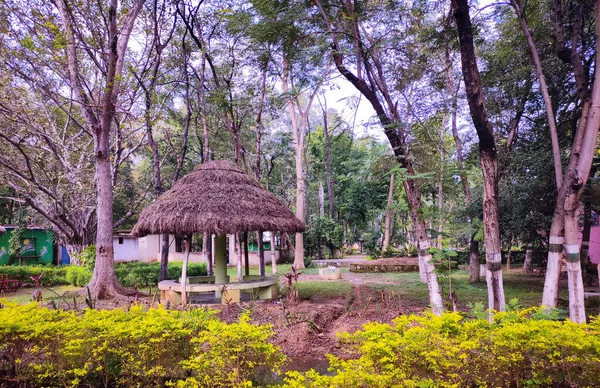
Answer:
(321, 197)
(527, 266)
(428, 269)
(537, 64)
(377, 92)
(104, 284)
(473, 260)
(330, 193)
(441, 187)
(388, 214)
(487, 154)
(164, 258)
(491, 230)
(453, 90)
(99, 120)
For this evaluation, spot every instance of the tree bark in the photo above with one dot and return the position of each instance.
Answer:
(537, 64)
(104, 282)
(487, 155)
(388, 214)
(377, 92)
(330, 193)
(321, 197)
(473, 261)
(453, 90)
(509, 255)
(527, 266)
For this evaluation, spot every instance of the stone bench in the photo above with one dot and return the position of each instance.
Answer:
(262, 287)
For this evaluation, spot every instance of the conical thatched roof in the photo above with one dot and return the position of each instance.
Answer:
(217, 197)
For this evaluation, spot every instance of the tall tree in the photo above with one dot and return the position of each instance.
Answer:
(487, 154)
(369, 78)
(564, 221)
(99, 113)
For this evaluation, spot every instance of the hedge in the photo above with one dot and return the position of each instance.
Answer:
(522, 348)
(137, 348)
(128, 274)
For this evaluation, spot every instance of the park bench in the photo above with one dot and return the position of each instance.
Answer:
(7, 284)
(259, 286)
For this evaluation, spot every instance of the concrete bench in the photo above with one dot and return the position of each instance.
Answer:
(261, 287)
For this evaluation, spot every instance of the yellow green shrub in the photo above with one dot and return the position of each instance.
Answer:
(135, 348)
(228, 355)
(452, 351)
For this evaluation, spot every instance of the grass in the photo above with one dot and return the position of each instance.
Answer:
(526, 288)
(24, 295)
(327, 290)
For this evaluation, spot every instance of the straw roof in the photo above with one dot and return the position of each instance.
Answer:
(217, 197)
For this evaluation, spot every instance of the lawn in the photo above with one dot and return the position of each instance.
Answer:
(405, 286)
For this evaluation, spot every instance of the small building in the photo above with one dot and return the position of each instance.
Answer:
(37, 246)
(594, 247)
(125, 247)
(148, 249)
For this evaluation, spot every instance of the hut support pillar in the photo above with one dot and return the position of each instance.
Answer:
(246, 258)
(261, 254)
(220, 261)
(183, 280)
(239, 263)
(273, 258)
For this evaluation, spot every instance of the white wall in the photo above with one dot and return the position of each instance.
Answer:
(127, 251)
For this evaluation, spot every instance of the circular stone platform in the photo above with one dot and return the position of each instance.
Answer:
(258, 287)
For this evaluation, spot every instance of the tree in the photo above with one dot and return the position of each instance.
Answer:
(99, 114)
(487, 152)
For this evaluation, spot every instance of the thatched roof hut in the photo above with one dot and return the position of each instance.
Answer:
(217, 197)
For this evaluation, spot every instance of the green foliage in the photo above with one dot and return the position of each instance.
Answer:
(227, 355)
(128, 274)
(408, 250)
(53, 276)
(323, 230)
(139, 348)
(444, 260)
(77, 276)
(87, 257)
(518, 349)
(14, 241)
(146, 274)
(370, 244)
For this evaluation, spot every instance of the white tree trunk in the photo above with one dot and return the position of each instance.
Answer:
(321, 197)
(388, 215)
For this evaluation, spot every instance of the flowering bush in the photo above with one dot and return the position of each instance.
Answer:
(519, 349)
(155, 347)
